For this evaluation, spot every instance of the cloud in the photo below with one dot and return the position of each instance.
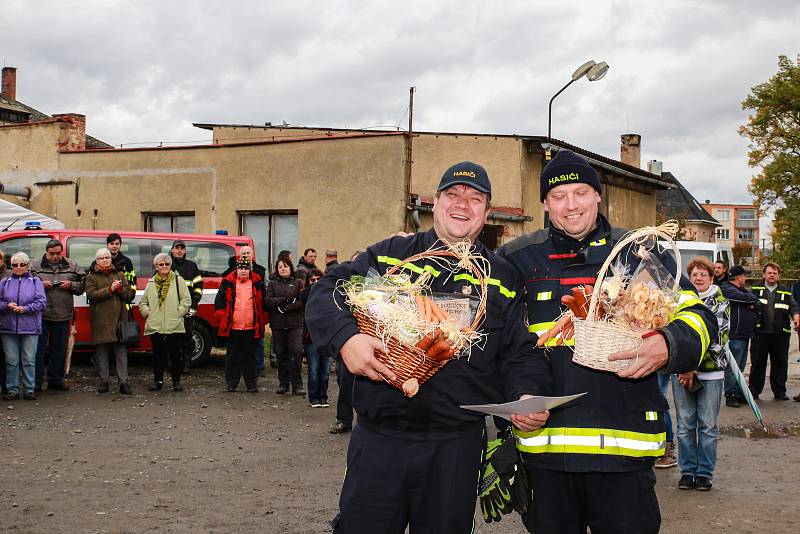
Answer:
(144, 71)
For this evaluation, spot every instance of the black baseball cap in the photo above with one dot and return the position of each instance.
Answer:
(178, 242)
(466, 173)
(736, 270)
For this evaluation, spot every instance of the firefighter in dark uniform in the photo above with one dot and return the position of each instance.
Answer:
(415, 461)
(189, 272)
(591, 464)
(776, 317)
(120, 261)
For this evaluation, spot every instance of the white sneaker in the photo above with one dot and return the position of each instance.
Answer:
(324, 405)
(316, 405)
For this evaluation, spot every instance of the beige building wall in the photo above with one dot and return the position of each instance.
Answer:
(28, 152)
(627, 208)
(347, 193)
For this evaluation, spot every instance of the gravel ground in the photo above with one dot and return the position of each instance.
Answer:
(208, 461)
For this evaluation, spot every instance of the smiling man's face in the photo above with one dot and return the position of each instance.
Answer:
(573, 209)
(459, 213)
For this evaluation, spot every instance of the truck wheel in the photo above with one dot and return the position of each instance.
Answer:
(201, 344)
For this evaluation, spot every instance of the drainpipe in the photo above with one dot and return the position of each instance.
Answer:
(415, 215)
(15, 190)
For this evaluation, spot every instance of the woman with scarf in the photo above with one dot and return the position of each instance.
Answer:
(240, 307)
(108, 292)
(165, 302)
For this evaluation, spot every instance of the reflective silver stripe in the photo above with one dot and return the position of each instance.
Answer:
(763, 301)
(544, 295)
(781, 306)
(600, 442)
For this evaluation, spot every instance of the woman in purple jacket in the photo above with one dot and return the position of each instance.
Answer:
(22, 301)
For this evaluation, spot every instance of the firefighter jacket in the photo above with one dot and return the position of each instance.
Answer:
(500, 368)
(124, 265)
(617, 425)
(189, 272)
(744, 306)
(777, 309)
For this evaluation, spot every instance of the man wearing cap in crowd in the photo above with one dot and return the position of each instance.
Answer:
(194, 281)
(331, 259)
(744, 310)
(592, 463)
(415, 461)
(62, 279)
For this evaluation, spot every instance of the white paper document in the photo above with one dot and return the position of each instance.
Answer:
(524, 406)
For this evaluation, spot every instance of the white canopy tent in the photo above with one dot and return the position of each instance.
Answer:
(13, 217)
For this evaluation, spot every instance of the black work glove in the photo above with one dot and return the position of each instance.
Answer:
(495, 494)
(508, 465)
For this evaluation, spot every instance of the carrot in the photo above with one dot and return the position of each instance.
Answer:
(580, 302)
(438, 313)
(420, 307)
(571, 303)
(438, 349)
(428, 339)
(428, 310)
(561, 326)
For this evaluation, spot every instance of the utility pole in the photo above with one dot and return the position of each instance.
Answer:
(409, 152)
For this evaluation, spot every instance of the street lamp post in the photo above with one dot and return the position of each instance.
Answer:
(593, 72)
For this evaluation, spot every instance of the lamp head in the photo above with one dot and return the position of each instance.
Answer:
(597, 71)
(582, 70)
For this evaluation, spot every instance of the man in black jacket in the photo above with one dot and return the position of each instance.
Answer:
(744, 309)
(194, 281)
(779, 312)
(415, 461)
(120, 261)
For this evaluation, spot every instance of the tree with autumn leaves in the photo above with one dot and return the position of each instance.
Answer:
(773, 131)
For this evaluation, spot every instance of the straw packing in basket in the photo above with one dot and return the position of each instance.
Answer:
(420, 336)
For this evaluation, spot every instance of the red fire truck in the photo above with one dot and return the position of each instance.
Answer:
(210, 252)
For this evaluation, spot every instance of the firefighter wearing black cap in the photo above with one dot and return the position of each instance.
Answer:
(591, 464)
(194, 281)
(415, 461)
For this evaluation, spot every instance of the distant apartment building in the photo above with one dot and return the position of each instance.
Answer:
(738, 224)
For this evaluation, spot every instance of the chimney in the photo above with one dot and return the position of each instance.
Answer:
(631, 150)
(9, 87)
(655, 167)
(75, 136)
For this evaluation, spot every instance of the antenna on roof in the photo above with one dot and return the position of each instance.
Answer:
(284, 123)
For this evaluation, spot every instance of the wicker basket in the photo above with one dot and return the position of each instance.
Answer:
(596, 340)
(407, 361)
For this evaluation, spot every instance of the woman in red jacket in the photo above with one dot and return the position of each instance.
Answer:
(240, 305)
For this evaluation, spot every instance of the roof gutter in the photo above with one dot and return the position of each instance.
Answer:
(615, 170)
(496, 216)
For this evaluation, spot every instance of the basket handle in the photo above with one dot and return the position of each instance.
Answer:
(650, 231)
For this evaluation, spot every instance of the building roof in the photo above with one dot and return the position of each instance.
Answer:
(34, 115)
(653, 179)
(678, 203)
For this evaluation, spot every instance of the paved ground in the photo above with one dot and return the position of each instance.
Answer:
(208, 461)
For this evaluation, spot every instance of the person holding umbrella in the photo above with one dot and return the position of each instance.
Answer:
(698, 393)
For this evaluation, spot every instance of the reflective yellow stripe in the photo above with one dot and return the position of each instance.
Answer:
(787, 330)
(591, 441)
(757, 287)
(784, 292)
(408, 265)
(541, 328)
(544, 295)
(189, 283)
(197, 278)
(696, 323)
(598, 243)
(489, 281)
(651, 416)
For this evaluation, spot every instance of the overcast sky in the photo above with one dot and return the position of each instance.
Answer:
(143, 71)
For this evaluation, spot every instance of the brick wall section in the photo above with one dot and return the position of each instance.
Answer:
(75, 138)
(9, 84)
